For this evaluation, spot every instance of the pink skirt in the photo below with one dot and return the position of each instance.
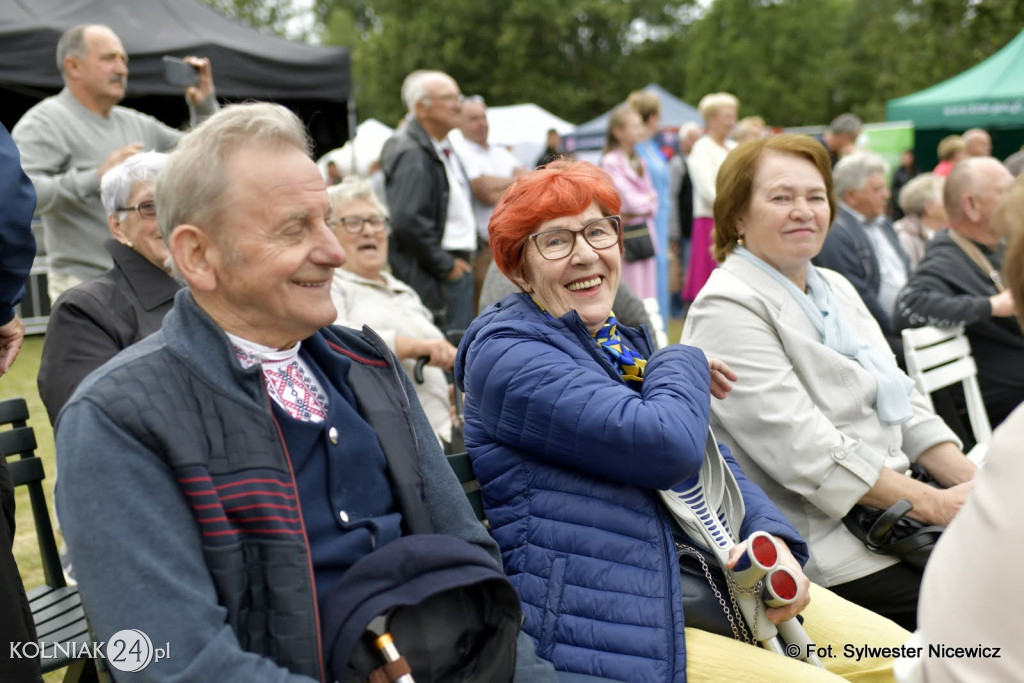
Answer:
(701, 262)
(641, 277)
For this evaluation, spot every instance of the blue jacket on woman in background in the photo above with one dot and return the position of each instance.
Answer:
(570, 459)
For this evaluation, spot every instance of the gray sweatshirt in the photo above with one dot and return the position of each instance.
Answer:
(62, 145)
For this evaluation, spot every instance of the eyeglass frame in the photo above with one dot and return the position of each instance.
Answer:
(138, 208)
(385, 225)
(450, 97)
(616, 220)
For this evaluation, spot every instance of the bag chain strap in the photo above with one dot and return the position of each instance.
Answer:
(737, 624)
(973, 253)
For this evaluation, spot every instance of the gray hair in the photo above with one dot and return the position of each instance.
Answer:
(353, 189)
(853, 170)
(414, 87)
(117, 183)
(919, 192)
(709, 105)
(846, 124)
(72, 44)
(194, 187)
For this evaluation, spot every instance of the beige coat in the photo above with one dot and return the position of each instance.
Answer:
(801, 418)
(969, 596)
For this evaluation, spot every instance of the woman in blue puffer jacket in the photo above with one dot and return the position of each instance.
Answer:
(573, 425)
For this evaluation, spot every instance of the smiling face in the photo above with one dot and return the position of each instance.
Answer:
(142, 233)
(787, 218)
(584, 281)
(366, 253)
(273, 256)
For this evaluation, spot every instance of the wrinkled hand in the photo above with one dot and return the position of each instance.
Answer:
(205, 89)
(442, 353)
(119, 155)
(722, 378)
(786, 559)
(12, 334)
(950, 501)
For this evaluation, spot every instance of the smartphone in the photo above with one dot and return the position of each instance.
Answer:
(180, 73)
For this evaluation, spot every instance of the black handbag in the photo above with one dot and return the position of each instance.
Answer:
(891, 532)
(637, 241)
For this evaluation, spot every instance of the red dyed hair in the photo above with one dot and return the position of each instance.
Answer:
(562, 188)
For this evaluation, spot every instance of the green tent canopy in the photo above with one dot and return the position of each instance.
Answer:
(988, 95)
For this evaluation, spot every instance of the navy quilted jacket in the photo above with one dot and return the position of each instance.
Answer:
(569, 459)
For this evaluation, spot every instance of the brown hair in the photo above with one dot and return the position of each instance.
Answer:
(735, 182)
(644, 103)
(562, 188)
(616, 120)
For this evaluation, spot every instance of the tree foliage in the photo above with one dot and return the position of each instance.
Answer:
(794, 62)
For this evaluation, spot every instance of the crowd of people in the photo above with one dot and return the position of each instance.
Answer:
(260, 368)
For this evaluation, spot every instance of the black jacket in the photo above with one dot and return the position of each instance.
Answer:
(848, 250)
(949, 289)
(417, 192)
(94, 321)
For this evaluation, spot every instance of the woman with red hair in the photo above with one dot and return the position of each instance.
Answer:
(573, 426)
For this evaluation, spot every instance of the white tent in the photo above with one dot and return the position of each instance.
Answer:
(356, 155)
(523, 129)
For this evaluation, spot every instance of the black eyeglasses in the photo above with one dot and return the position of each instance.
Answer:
(146, 209)
(600, 233)
(356, 224)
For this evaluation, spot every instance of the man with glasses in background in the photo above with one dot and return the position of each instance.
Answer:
(68, 142)
(433, 237)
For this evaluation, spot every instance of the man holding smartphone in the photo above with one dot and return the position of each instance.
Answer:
(68, 141)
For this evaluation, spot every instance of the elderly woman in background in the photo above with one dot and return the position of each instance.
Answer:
(91, 323)
(647, 104)
(719, 111)
(366, 294)
(923, 214)
(573, 425)
(633, 182)
(821, 418)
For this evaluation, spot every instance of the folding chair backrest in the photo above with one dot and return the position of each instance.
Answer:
(60, 622)
(940, 357)
(463, 468)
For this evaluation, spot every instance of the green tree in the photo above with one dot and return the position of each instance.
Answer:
(574, 57)
(277, 17)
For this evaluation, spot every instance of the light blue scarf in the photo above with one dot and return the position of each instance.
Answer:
(892, 401)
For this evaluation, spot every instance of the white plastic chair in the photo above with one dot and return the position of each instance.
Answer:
(657, 322)
(940, 357)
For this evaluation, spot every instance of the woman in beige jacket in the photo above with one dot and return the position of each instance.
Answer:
(821, 417)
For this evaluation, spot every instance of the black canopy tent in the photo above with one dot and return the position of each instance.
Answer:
(315, 82)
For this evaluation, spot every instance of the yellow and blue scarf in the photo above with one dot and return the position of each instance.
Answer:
(631, 363)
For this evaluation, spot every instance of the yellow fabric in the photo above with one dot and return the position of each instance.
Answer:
(828, 620)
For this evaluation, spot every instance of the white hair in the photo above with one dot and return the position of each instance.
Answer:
(919, 192)
(117, 183)
(193, 188)
(414, 87)
(852, 171)
(353, 189)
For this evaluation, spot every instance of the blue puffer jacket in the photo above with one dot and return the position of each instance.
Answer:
(569, 458)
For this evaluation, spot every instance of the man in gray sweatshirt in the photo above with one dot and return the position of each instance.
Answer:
(70, 140)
